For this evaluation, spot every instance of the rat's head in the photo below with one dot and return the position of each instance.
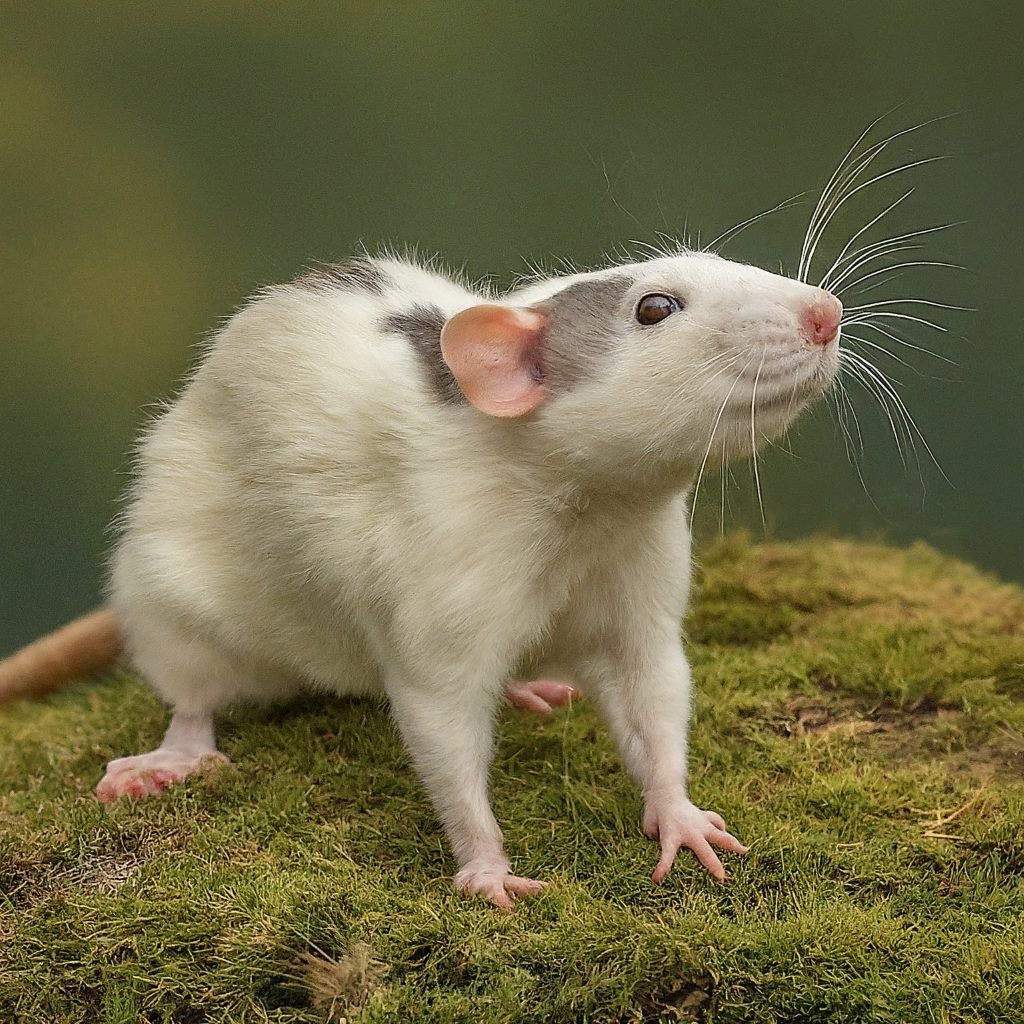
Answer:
(656, 364)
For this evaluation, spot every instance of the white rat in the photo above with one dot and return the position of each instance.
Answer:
(381, 481)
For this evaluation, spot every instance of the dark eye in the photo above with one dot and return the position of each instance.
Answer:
(652, 309)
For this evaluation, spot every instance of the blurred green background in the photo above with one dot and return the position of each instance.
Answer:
(160, 161)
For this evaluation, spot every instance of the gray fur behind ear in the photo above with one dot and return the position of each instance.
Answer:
(422, 326)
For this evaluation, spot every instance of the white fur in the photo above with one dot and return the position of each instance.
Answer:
(307, 514)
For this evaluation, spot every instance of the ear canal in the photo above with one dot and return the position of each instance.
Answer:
(495, 354)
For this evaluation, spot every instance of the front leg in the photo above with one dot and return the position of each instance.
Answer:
(643, 690)
(449, 732)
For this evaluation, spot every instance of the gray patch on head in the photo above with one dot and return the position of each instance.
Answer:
(354, 275)
(583, 327)
(422, 326)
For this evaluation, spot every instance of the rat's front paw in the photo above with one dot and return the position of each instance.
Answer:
(677, 823)
(491, 878)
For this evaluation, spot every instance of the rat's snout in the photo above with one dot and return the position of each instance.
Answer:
(819, 318)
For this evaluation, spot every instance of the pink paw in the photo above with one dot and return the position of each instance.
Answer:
(150, 774)
(492, 879)
(541, 696)
(678, 824)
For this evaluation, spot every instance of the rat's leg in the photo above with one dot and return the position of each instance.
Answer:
(541, 696)
(196, 679)
(449, 733)
(643, 690)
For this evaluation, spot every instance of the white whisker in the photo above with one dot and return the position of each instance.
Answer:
(886, 314)
(871, 386)
(732, 232)
(913, 302)
(826, 193)
(885, 246)
(870, 224)
(753, 436)
(890, 387)
(711, 440)
(891, 269)
(847, 402)
(826, 210)
(867, 184)
(834, 187)
(884, 350)
(721, 518)
(903, 341)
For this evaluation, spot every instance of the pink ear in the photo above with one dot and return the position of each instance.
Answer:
(494, 353)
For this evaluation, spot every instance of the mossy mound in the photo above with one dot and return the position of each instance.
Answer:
(859, 722)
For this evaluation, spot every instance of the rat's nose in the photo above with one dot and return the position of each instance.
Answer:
(819, 321)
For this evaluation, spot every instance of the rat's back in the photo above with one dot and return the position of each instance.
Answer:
(275, 474)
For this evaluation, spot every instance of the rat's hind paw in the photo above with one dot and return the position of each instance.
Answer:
(541, 696)
(150, 774)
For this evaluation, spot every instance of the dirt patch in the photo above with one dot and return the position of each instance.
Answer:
(690, 999)
(25, 883)
(925, 730)
(810, 717)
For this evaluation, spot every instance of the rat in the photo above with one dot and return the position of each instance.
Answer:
(383, 481)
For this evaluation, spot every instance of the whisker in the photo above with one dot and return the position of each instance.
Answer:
(876, 250)
(890, 386)
(871, 386)
(847, 402)
(732, 232)
(711, 441)
(826, 193)
(886, 314)
(870, 224)
(673, 246)
(853, 413)
(706, 381)
(867, 184)
(753, 436)
(834, 187)
(883, 349)
(653, 250)
(721, 518)
(868, 255)
(915, 302)
(825, 211)
(903, 341)
(891, 269)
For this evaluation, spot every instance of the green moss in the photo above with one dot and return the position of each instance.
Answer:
(859, 721)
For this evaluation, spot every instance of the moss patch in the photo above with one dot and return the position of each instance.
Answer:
(859, 722)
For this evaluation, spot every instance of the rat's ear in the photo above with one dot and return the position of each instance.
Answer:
(495, 354)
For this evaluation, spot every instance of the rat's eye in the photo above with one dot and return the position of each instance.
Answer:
(652, 309)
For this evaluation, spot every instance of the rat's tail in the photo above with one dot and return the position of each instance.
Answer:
(80, 648)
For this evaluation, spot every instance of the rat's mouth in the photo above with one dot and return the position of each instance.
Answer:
(786, 383)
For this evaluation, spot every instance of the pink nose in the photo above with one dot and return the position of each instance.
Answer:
(819, 321)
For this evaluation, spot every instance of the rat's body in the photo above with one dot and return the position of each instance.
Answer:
(342, 498)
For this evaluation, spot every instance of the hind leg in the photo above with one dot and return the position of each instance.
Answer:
(197, 679)
(187, 747)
